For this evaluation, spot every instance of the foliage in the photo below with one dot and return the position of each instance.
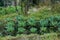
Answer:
(44, 23)
(10, 26)
(10, 9)
(43, 20)
(43, 30)
(56, 8)
(21, 25)
(21, 30)
(2, 11)
(1, 23)
(19, 18)
(21, 21)
(8, 19)
(33, 30)
(31, 21)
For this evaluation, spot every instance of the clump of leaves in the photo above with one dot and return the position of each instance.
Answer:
(33, 30)
(43, 30)
(8, 19)
(19, 18)
(44, 23)
(21, 23)
(21, 30)
(52, 20)
(31, 21)
(10, 9)
(10, 26)
(2, 11)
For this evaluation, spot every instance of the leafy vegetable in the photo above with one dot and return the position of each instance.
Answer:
(33, 30)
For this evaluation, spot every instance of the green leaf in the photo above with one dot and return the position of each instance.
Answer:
(21, 30)
(31, 21)
(43, 28)
(21, 23)
(10, 26)
(33, 30)
(44, 22)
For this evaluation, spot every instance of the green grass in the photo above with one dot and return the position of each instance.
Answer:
(8, 16)
(43, 13)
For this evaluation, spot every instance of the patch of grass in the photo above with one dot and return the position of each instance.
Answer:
(8, 16)
(43, 13)
(49, 36)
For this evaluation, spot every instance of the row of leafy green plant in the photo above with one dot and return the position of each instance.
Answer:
(19, 25)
